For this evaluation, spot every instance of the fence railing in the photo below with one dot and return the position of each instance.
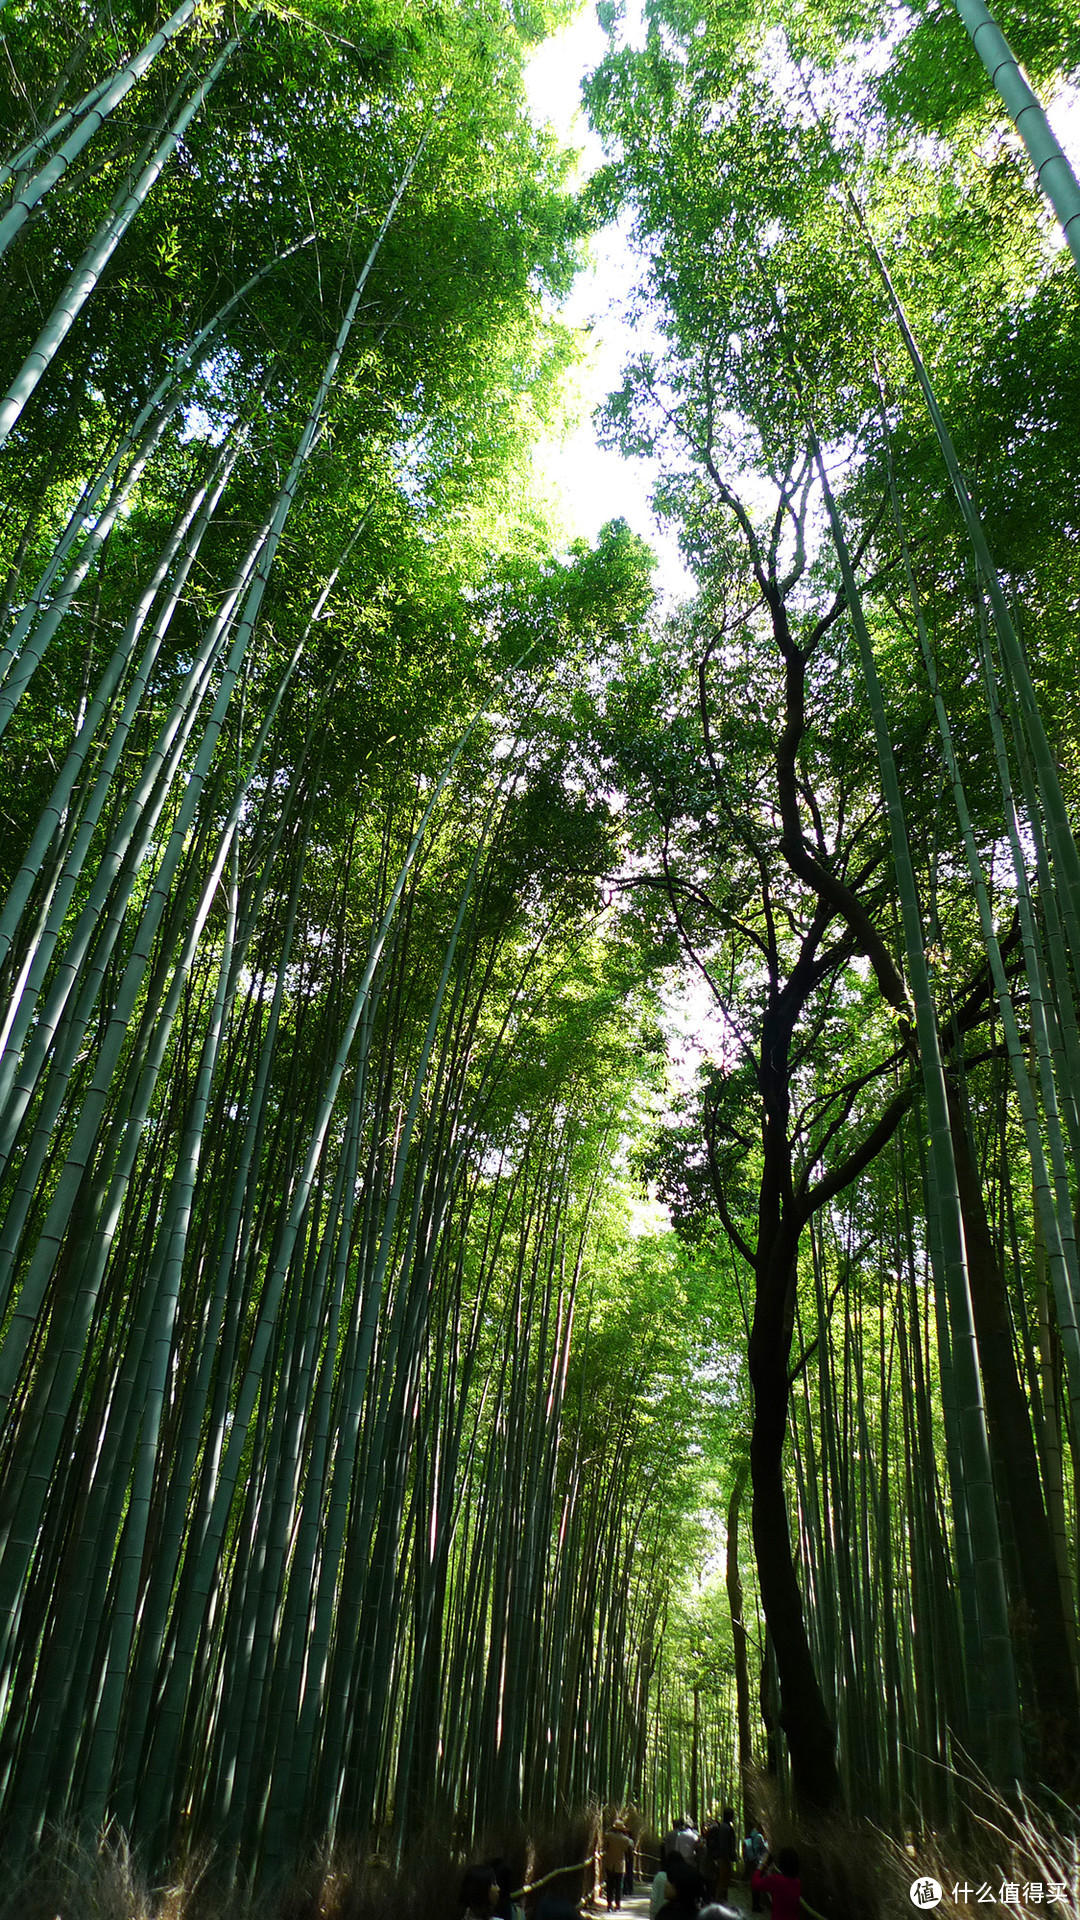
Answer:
(534, 1887)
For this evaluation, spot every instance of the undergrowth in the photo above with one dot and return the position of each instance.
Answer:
(854, 1870)
(851, 1870)
(66, 1879)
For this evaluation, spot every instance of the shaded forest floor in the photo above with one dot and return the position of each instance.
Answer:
(1017, 1859)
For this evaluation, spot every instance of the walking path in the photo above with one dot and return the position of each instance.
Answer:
(635, 1906)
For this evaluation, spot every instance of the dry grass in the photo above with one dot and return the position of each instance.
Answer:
(852, 1870)
(68, 1880)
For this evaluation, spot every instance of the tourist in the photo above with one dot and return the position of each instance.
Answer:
(507, 1879)
(685, 1888)
(709, 1853)
(670, 1841)
(479, 1895)
(753, 1853)
(725, 1845)
(614, 1849)
(781, 1882)
(658, 1892)
(682, 1839)
(686, 1842)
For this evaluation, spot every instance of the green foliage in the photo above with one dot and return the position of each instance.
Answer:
(315, 1058)
(771, 169)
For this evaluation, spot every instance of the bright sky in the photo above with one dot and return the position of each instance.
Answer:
(596, 486)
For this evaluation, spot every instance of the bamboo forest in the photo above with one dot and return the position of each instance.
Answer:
(539, 1069)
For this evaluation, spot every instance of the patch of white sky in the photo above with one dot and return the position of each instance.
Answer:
(698, 1030)
(594, 484)
(590, 483)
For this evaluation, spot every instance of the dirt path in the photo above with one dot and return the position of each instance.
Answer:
(635, 1906)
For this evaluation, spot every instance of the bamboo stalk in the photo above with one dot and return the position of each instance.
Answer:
(94, 114)
(89, 269)
(1052, 170)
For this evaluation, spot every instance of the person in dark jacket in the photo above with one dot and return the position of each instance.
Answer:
(479, 1895)
(725, 1851)
(685, 1890)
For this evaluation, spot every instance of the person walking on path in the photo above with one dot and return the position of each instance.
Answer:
(682, 1840)
(659, 1891)
(615, 1848)
(782, 1883)
(753, 1853)
(709, 1833)
(722, 1846)
(685, 1888)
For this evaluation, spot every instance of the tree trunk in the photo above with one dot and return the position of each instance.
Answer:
(738, 1632)
(810, 1735)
